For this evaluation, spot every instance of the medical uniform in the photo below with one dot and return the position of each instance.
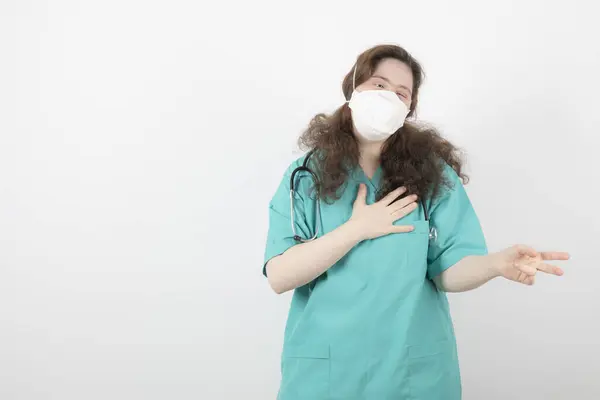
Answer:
(373, 326)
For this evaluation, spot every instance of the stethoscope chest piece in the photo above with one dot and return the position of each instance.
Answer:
(433, 234)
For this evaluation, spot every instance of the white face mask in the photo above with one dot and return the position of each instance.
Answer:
(377, 114)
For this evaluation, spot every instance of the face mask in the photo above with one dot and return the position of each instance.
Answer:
(377, 114)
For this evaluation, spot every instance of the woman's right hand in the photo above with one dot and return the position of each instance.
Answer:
(377, 219)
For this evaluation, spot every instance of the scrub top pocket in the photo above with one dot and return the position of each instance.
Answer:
(432, 372)
(305, 372)
(418, 239)
(404, 254)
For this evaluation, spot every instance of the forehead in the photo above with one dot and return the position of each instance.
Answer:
(397, 72)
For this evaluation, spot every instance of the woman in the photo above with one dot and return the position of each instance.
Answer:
(394, 230)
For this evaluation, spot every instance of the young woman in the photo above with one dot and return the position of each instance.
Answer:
(370, 229)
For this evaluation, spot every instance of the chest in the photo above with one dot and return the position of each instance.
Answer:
(387, 259)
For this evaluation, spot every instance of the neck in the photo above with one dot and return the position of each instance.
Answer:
(370, 155)
(370, 152)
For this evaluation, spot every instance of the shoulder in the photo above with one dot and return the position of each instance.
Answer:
(450, 184)
(297, 163)
(286, 175)
(450, 174)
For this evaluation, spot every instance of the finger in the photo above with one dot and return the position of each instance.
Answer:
(391, 196)
(526, 269)
(530, 280)
(555, 255)
(361, 196)
(526, 250)
(404, 211)
(403, 202)
(550, 269)
(402, 228)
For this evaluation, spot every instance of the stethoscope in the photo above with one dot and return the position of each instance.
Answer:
(304, 167)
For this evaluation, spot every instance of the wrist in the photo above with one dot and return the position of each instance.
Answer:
(353, 231)
(495, 264)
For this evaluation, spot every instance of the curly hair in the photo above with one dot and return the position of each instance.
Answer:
(414, 156)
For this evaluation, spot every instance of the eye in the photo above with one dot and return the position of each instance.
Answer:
(379, 85)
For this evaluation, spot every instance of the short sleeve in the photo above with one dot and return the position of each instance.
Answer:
(459, 232)
(280, 236)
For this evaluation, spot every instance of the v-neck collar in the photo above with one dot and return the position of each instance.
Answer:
(360, 176)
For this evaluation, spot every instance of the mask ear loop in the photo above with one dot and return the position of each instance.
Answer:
(353, 81)
(354, 76)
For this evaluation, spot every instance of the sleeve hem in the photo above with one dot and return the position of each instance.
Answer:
(447, 261)
(277, 249)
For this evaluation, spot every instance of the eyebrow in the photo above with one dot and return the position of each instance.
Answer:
(388, 81)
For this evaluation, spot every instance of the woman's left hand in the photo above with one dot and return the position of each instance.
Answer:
(520, 263)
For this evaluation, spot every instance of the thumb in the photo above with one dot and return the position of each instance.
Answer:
(361, 196)
(523, 250)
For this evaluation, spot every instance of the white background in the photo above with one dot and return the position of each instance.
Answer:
(140, 143)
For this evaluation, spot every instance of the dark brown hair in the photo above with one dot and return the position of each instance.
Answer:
(414, 156)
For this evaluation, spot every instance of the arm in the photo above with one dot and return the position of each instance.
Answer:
(299, 264)
(459, 260)
(518, 263)
(467, 274)
(304, 262)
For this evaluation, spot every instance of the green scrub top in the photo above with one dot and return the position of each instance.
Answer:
(374, 326)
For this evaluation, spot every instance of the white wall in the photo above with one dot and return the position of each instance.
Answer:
(140, 142)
